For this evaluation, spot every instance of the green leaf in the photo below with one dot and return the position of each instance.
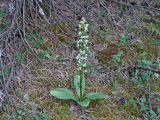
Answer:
(84, 102)
(5, 72)
(38, 43)
(158, 110)
(44, 54)
(29, 37)
(83, 84)
(2, 13)
(117, 58)
(41, 54)
(156, 42)
(123, 40)
(48, 56)
(18, 57)
(63, 93)
(143, 99)
(77, 84)
(95, 96)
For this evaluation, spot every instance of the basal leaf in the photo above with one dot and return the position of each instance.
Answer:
(63, 93)
(95, 96)
(84, 102)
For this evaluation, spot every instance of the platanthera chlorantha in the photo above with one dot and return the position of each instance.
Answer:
(79, 80)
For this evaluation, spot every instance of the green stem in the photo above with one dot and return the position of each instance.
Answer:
(81, 83)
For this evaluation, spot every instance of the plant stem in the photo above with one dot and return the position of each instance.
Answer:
(81, 83)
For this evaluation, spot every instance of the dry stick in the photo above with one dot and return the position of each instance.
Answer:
(8, 82)
(11, 74)
(44, 16)
(3, 78)
(143, 68)
(6, 85)
(24, 33)
(123, 3)
(110, 16)
(50, 9)
(8, 32)
(27, 45)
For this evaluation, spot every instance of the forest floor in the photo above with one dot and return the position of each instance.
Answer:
(38, 51)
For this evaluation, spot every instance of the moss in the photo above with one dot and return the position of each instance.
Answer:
(154, 85)
(105, 56)
(55, 109)
(131, 105)
(153, 51)
(61, 31)
(151, 24)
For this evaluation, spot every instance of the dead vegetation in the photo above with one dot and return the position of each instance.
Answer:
(38, 49)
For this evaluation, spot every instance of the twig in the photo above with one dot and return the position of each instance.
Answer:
(123, 3)
(44, 16)
(24, 34)
(143, 68)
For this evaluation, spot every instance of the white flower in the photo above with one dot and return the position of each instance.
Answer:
(80, 41)
(79, 33)
(82, 45)
(84, 37)
(86, 28)
(83, 19)
(157, 75)
(82, 52)
(84, 65)
(87, 47)
(77, 57)
(86, 41)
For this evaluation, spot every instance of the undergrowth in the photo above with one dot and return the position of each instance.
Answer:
(38, 51)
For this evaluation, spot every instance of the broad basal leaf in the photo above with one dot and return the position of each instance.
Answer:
(84, 102)
(63, 93)
(95, 96)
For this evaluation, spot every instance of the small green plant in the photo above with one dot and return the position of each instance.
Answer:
(79, 79)
(41, 48)
(123, 40)
(2, 14)
(146, 107)
(118, 59)
(5, 71)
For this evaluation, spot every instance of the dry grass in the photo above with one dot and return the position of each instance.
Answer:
(28, 83)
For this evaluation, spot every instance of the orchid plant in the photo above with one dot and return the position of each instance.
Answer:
(79, 95)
